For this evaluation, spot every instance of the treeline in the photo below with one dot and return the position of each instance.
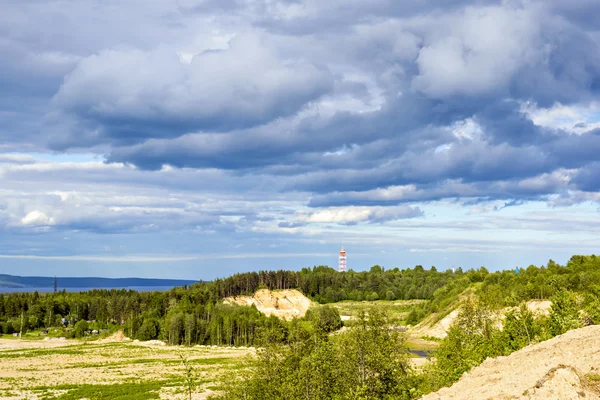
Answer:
(326, 285)
(196, 315)
(581, 275)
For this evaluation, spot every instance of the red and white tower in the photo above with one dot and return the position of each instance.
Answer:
(342, 261)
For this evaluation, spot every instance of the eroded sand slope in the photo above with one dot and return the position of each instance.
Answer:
(286, 304)
(554, 369)
(439, 328)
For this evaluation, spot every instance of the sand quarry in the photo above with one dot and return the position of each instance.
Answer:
(286, 304)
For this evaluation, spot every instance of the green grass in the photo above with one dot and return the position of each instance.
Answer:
(20, 353)
(593, 377)
(126, 391)
(398, 310)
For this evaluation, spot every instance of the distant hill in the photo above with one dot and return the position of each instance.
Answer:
(12, 281)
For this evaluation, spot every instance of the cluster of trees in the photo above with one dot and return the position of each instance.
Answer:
(580, 275)
(369, 361)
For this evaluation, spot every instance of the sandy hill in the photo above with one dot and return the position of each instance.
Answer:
(286, 304)
(435, 327)
(555, 369)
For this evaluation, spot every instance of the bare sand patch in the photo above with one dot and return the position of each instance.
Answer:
(285, 304)
(554, 369)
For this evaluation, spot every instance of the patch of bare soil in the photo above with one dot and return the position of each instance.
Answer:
(285, 304)
(541, 307)
(116, 337)
(437, 329)
(555, 369)
(13, 344)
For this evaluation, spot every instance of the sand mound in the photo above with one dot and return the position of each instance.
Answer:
(554, 369)
(116, 337)
(437, 329)
(286, 304)
(539, 306)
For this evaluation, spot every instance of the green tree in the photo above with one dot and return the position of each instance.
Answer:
(564, 314)
(148, 330)
(80, 329)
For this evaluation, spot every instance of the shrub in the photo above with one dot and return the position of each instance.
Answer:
(564, 315)
(80, 329)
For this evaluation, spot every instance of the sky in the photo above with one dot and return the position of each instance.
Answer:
(199, 138)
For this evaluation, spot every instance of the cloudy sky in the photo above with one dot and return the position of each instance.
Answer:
(196, 138)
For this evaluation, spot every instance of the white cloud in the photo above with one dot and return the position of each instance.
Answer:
(576, 119)
(355, 214)
(476, 51)
(37, 218)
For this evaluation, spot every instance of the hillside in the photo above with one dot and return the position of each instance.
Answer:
(285, 304)
(13, 281)
(560, 368)
(437, 324)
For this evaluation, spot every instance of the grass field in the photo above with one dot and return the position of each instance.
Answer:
(397, 310)
(118, 370)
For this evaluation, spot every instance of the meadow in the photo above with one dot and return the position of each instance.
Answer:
(109, 369)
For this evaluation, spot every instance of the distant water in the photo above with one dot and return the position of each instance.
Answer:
(83, 289)
(421, 353)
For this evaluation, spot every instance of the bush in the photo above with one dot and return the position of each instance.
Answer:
(520, 328)
(373, 297)
(80, 329)
(7, 328)
(325, 319)
(564, 315)
(471, 339)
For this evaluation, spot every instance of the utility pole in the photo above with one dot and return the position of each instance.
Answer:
(55, 285)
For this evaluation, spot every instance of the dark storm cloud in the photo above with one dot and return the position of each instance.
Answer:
(338, 98)
(123, 97)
